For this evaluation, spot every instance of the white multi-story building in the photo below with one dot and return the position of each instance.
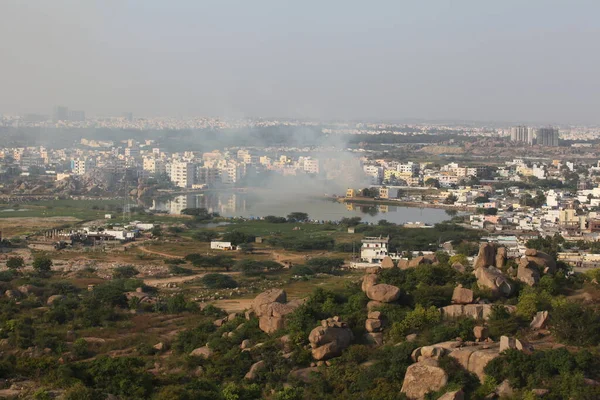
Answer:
(182, 174)
(375, 173)
(311, 166)
(374, 249)
(80, 166)
(408, 168)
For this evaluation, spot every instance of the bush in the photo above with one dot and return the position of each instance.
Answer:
(218, 281)
(15, 262)
(301, 270)
(414, 321)
(275, 220)
(324, 265)
(575, 323)
(253, 267)
(125, 272)
(42, 263)
(177, 270)
(80, 348)
(120, 376)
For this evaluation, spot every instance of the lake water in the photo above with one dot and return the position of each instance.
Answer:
(233, 204)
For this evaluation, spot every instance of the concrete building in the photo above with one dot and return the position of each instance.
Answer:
(374, 249)
(80, 166)
(182, 174)
(61, 113)
(547, 137)
(522, 134)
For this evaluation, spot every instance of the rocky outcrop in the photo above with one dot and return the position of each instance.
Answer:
(203, 352)
(486, 256)
(516, 344)
(330, 339)
(383, 292)
(387, 262)
(475, 311)
(54, 299)
(304, 374)
(492, 278)
(527, 272)
(423, 377)
(539, 321)
(254, 370)
(462, 295)
(271, 308)
(13, 294)
(500, 257)
(415, 262)
(480, 332)
(368, 281)
(475, 358)
(543, 261)
(454, 395)
(374, 327)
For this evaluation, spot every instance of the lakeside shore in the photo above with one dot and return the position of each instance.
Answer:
(416, 204)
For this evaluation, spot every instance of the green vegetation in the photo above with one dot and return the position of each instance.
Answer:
(218, 281)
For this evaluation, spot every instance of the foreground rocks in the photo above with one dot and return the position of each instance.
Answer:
(379, 292)
(462, 295)
(492, 278)
(423, 377)
(543, 261)
(330, 339)
(475, 311)
(539, 321)
(528, 272)
(271, 307)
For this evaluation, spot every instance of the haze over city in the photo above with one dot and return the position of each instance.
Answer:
(468, 60)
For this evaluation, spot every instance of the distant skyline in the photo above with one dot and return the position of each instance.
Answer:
(520, 61)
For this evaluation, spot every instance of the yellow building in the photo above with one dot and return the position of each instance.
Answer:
(350, 193)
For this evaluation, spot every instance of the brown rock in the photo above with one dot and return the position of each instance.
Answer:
(480, 333)
(254, 370)
(423, 377)
(475, 358)
(486, 256)
(374, 315)
(54, 299)
(540, 392)
(368, 281)
(455, 395)
(330, 340)
(528, 273)
(13, 294)
(203, 352)
(373, 325)
(512, 343)
(492, 278)
(387, 262)
(246, 344)
(262, 301)
(411, 338)
(539, 320)
(383, 292)
(500, 257)
(543, 261)
(462, 295)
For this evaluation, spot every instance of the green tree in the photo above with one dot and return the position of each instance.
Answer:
(15, 262)
(297, 217)
(42, 263)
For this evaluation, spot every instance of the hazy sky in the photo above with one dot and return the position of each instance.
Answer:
(525, 60)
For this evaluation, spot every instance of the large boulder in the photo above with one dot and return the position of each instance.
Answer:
(454, 395)
(539, 320)
(330, 339)
(203, 352)
(492, 278)
(383, 292)
(262, 301)
(462, 295)
(486, 256)
(54, 299)
(513, 343)
(475, 311)
(254, 370)
(423, 377)
(544, 262)
(527, 272)
(271, 308)
(475, 358)
(387, 262)
(368, 281)
(500, 257)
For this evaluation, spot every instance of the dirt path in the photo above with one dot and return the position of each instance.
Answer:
(181, 279)
(158, 253)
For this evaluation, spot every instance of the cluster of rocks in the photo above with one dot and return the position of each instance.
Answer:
(374, 327)
(415, 262)
(143, 297)
(378, 293)
(462, 299)
(271, 307)
(425, 375)
(533, 265)
(330, 339)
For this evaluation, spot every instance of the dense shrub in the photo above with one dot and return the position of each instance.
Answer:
(218, 281)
